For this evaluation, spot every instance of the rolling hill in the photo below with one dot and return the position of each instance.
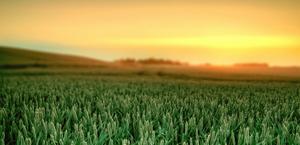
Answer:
(19, 58)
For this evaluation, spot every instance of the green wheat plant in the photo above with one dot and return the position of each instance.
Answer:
(84, 110)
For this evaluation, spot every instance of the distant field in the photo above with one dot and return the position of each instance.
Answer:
(53, 99)
(28, 62)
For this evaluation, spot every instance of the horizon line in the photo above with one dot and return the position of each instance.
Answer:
(236, 64)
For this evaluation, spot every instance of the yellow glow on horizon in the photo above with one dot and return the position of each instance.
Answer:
(216, 31)
(217, 42)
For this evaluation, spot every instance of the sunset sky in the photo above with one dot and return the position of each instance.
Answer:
(202, 31)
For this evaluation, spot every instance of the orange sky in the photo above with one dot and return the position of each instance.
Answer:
(218, 31)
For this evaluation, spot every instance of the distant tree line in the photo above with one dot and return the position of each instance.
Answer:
(150, 61)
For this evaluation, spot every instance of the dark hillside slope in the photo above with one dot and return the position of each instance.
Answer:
(14, 57)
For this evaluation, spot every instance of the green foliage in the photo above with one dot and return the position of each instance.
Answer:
(56, 109)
